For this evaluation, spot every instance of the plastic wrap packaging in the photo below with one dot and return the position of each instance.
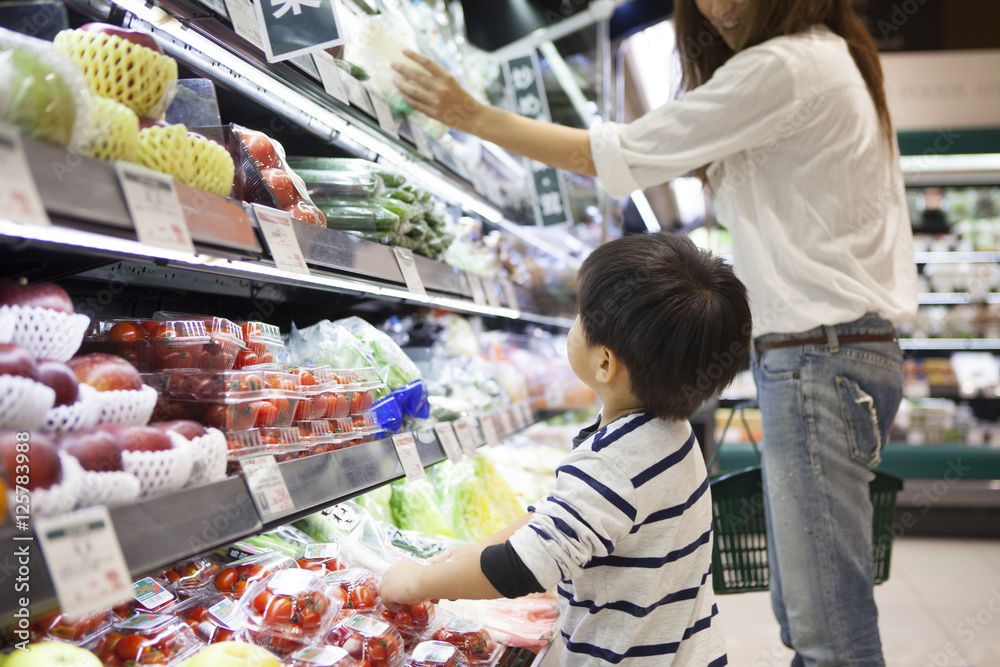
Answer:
(357, 531)
(329, 343)
(465, 500)
(414, 506)
(395, 368)
(42, 92)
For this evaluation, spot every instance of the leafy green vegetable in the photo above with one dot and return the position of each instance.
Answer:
(414, 507)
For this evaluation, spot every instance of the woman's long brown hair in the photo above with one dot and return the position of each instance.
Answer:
(702, 50)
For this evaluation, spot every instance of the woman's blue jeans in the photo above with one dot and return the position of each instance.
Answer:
(826, 411)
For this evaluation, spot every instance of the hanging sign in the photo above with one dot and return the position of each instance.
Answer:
(296, 27)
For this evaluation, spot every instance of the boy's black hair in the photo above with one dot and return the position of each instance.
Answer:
(676, 316)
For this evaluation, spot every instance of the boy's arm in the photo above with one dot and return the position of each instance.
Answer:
(459, 577)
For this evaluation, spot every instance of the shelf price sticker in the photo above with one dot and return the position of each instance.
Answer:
(510, 294)
(507, 420)
(408, 267)
(150, 594)
(466, 436)
(409, 457)
(281, 240)
(358, 95)
(526, 416)
(489, 427)
(383, 112)
(420, 138)
(476, 287)
(267, 485)
(244, 18)
(449, 441)
(19, 198)
(84, 560)
(322, 551)
(329, 75)
(156, 211)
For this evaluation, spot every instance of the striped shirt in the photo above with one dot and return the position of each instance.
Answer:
(627, 536)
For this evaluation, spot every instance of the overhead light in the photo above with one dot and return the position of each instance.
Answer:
(645, 211)
(919, 163)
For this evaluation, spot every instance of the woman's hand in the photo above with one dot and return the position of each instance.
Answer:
(432, 90)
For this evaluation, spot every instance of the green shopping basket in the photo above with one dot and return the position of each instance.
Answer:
(739, 554)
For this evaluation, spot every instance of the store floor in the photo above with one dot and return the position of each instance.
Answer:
(940, 608)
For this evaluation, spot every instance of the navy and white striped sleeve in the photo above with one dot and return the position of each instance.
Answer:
(591, 508)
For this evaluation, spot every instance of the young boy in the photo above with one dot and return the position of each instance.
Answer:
(626, 536)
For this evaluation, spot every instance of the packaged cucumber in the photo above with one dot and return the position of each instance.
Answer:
(390, 178)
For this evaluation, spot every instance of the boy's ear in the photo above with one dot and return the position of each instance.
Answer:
(608, 366)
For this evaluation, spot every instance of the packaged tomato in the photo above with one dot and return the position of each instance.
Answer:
(146, 639)
(412, 620)
(322, 558)
(150, 345)
(289, 610)
(470, 636)
(225, 339)
(263, 342)
(210, 385)
(190, 575)
(369, 641)
(213, 618)
(152, 595)
(360, 401)
(358, 589)
(436, 654)
(365, 424)
(321, 656)
(237, 577)
(54, 626)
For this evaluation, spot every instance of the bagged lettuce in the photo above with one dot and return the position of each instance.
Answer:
(466, 501)
(414, 507)
(394, 367)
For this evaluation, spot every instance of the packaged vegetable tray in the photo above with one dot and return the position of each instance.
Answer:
(369, 640)
(289, 610)
(146, 639)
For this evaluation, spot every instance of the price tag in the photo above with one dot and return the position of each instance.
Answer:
(329, 74)
(408, 267)
(490, 287)
(241, 13)
(144, 622)
(420, 138)
(406, 449)
(322, 551)
(19, 198)
(507, 421)
(358, 96)
(267, 486)
(555, 397)
(229, 615)
(154, 207)
(436, 653)
(84, 560)
(518, 416)
(489, 427)
(526, 414)
(510, 294)
(280, 237)
(449, 441)
(466, 437)
(463, 625)
(383, 112)
(476, 287)
(321, 656)
(368, 627)
(150, 594)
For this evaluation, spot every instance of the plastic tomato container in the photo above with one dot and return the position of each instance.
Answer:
(237, 577)
(321, 656)
(289, 610)
(151, 345)
(147, 639)
(225, 339)
(436, 654)
(365, 424)
(53, 626)
(276, 411)
(359, 589)
(152, 595)
(470, 636)
(241, 444)
(225, 414)
(369, 640)
(283, 440)
(322, 559)
(262, 340)
(213, 618)
(412, 620)
(360, 401)
(190, 575)
(209, 385)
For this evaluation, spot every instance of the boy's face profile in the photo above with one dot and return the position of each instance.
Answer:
(583, 358)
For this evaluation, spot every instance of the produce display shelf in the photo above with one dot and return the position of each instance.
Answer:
(159, 531)
(955, 298)
(942, 257)
(949, 343)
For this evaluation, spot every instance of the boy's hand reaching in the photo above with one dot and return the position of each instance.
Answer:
(432, 90)
(401, 583)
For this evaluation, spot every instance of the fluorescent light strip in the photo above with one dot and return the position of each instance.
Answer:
(955, 257)
(953, 298)
(920, 163)
(645, 211)
(949, 343)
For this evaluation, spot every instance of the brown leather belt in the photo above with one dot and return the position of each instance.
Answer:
(821, 340)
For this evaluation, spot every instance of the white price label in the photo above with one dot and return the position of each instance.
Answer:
(19, 198)
(150, 594)
(366, 626)
(518, 416)
(489, 427)
(322, 551)
(84, 560)
(465, 625)
(357, 94)
(281, 240)
(267, 486)
(555, 398)
(510, 294)
(476, 287)
(420, 139)
(329, 74)
(449, 441)
(492, 297)
(145, 622)
(322, 656)
(436, 653)
(466, 436)
(406, 449)
(229, 615)
(507, 421)
(408, 267)
(526, 414)
(383, 112)
(156, 211)
(244, 18)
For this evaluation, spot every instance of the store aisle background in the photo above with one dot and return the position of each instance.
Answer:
(940, 608)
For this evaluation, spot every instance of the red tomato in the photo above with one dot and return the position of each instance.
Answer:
(216, 416)
(355, 407)
(261, 149)
(163, 331)
(261, 601)
(306, 212)
(320, 403)
(281, 186)
(279, 610)
(246, 358)
(226, 580)
(341, 595)
(198, 614)
(267, 415)
(130, 647)
(127, 332)
(361, 598)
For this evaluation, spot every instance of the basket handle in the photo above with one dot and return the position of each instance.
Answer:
(722, 438)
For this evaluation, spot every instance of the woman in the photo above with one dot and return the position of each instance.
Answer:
(784, 112)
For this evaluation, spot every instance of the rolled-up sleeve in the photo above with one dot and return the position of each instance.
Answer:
(747, 103)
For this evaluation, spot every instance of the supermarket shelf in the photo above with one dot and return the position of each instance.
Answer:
(949, 343)
(955, 298)
(163, 530)
(956, 257)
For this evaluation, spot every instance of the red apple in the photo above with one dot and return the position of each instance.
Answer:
(105, 372)
(188, 428)
(41, 465)
(134, 36)
(17, 360)
(35, 295)
(143, 439)
(96, 450)
(61, 378)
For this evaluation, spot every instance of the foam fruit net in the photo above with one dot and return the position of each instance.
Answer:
(113, 132)
(190, 159)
